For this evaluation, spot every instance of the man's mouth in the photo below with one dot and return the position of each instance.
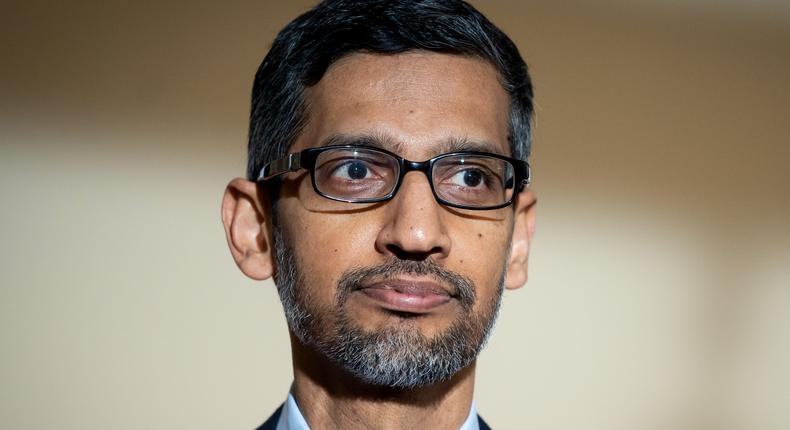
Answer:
(405, 295)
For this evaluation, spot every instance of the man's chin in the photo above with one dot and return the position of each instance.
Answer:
(400, 353)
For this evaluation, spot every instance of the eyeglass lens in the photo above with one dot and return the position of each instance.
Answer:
(360, 174)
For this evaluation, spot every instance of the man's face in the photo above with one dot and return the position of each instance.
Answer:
(408, 270)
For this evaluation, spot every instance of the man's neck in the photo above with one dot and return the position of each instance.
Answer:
(329, 398)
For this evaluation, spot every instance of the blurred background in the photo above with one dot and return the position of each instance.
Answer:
(659, 291)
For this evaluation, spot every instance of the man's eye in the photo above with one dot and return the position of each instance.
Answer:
(468, 178)
(352, 170)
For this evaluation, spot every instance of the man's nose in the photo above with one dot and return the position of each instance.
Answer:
(415, 227)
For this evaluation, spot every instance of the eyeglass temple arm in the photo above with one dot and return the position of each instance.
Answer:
(528, 177)
(526, 181)
(291, 163)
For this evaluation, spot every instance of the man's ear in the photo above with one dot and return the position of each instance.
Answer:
(523, 230)
(247, 227)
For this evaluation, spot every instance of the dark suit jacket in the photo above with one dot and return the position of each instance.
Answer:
(271, 423)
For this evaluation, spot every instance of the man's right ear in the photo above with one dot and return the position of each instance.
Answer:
(247, 227)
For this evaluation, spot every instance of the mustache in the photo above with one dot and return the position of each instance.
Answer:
(460, 287)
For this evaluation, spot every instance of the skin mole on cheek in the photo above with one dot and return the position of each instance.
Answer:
(480, 235)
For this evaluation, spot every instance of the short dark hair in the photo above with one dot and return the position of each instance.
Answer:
(303, 51)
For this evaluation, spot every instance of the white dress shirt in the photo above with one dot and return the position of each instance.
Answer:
(291, 417)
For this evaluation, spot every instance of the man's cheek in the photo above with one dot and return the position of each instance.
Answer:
(323, 260)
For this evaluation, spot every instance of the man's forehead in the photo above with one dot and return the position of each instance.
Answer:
(427, 99)
(417, 70)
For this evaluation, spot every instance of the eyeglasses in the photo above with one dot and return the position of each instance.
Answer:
(361, 174)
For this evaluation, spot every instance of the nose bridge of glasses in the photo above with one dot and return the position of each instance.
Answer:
(421, 166)
(415, 166)
(418, 166)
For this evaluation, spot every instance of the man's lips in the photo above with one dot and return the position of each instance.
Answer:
(410, 296)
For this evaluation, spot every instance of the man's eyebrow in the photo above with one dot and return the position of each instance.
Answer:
(456, 144)
(380, 141)
(371, 140)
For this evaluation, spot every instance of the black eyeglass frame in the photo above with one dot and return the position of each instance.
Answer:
(306, 159)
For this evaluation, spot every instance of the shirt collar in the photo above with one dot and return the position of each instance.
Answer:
(291, 417)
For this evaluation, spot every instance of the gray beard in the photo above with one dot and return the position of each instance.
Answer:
(399, 356)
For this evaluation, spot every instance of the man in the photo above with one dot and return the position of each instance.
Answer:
(387, 196)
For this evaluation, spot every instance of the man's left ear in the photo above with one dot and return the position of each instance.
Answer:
(523, 230)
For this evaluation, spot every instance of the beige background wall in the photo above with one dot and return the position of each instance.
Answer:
(659, 294)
